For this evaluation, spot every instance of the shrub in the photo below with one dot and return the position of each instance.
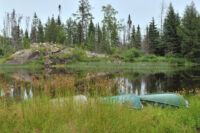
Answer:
(1, 52)
(78, 54)
(131, 54)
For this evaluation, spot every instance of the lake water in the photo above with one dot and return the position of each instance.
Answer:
(24, 84)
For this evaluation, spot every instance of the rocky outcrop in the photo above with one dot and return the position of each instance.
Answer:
(47, 61)
(22, 56)
(50, 54)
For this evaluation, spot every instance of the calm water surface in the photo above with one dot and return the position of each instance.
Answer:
(20, 84)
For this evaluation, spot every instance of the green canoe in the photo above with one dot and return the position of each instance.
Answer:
(164, 99)
(129, 99)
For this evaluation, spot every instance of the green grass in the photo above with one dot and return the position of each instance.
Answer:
(41, 116)
(31, 67)
(147, 67)
(4, 59)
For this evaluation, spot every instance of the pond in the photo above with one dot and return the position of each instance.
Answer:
(21, 84)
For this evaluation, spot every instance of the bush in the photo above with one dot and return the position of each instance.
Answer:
(1, 52)
(131, 54)
(78, 54)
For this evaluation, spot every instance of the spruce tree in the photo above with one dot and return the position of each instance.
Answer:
(34, 28)
(58, 21)
(46, 29)
(61, 33)
(91, 36)
(40, 32)
(80, 34)
(189, 32)
(129, 23)
(170, 32)
(110, 23)
(51, 30)
(26, 39)
(138, 38)
(154, 38)
(133, 37)
(26, 34)
(114, 36)
(83, 15)
(99, 37)
(75, 32)
(69, 31)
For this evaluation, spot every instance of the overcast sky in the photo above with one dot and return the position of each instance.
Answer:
(141, 11)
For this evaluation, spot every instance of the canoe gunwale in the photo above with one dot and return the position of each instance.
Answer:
(160, 103)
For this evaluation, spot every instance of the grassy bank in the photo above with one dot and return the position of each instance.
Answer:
(147, 67)
(40, 115)
(29, 67)
(74, 55)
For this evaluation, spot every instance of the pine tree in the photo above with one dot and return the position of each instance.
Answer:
(26, 34)
(26, 40)
(61, 34)
(129, 23)
(114, 36)
(110, 23)
(133, 37)
(189, 32)
(80, 34)
(91, 36)
(83, 15)
(53, 30)
(46, 29)
(75, 32)
(69, 31)
(40, 32)
(138, 38)
(34, 28)
(170, 32)
(154, 38)
(58, 21)
(99, 38)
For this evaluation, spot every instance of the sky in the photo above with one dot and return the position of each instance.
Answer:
(141, 11)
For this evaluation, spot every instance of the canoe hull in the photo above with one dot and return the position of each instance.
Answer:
(131, 100)
(164, 99)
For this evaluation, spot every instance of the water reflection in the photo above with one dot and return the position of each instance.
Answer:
(137, 83)
(126, 86)
(17, 93)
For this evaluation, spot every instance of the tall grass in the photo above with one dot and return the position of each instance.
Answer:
(39, 115)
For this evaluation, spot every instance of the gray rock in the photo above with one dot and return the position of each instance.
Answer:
(20, 57)
(35, 55)
(117, 62)
(91, 55)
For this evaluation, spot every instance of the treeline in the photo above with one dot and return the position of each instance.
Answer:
(179, 37)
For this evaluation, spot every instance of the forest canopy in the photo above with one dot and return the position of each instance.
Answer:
(177, 36)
